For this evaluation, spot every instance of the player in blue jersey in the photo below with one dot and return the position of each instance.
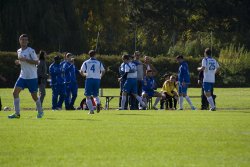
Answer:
(70, 82)
(149, 89)
(125, 59)
(57, 83)
(209, 67)
(28, 60)
(93, 70)
(183, 82)
(130, 85)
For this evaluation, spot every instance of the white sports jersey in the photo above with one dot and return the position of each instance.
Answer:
(92, 68)
(131, 69)
(210, 65)
(28, 71)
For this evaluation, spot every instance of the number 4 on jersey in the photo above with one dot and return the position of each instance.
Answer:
(92, 68)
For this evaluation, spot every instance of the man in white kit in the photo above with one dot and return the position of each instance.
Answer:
(210, 67)
(28, 60)
(93, 70)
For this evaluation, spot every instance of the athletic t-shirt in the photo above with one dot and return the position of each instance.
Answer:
(28, 71)
(92, 68)
(210, 65)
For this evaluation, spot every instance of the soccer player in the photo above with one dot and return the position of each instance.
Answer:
(68, 70)
(169, 91)
(210, 66)
(122, 80)
(57, 83)
(28, 60)
(42, 75)
(130, 85)
(93, 70)
(73, 84)
(149, 89)
(140, 75)
(183, 82)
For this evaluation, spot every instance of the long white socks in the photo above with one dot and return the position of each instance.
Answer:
(211, 101)
(17, 105)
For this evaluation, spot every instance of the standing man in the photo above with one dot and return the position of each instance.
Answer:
(93, 70)
(210, 67)
(140, 75)
(57, 84)
(28, 60)
(42, 75)
(67, 67)
(122, 80)
(73, 84)
(183, 82)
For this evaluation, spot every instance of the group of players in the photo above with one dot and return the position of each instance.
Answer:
(174, 89)
(136, 79)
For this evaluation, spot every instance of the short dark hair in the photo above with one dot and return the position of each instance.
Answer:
(42, 54)
(91, 53)
(208, 52)
(23, 36)
(125, 57)
(179, 57)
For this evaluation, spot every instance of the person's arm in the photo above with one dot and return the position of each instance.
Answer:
(35, 62)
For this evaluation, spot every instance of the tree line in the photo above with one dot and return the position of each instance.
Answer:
(152, 26)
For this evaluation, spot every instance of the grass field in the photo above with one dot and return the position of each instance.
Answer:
(128, 138)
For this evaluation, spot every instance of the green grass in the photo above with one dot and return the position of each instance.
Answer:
(129, 138)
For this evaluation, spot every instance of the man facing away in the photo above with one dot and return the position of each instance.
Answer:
(93, 70)
(210, 67)
(28, 60)
(183, 82)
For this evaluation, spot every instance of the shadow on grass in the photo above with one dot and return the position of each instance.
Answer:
(71, 119)
(135, 114)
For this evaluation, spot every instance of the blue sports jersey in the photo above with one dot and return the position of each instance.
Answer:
(56, 74)
(73, 73)
(148, 84)
(67, 69)
(183, 73)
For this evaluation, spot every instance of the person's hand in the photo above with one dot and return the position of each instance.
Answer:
(17, 62)
(22, 58)
(199, 82)
(119, 79)
(183, 83)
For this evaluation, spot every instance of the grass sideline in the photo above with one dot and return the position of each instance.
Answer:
(129, 138)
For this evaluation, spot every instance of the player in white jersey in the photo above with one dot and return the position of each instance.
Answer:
(209, 67)
(93, 70)
(28, 60)
(130, 85)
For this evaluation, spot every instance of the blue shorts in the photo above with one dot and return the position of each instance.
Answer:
(130, 86)
(92, 87)
(149, 93)
(207, 86)
(31, 84)
(182, 89)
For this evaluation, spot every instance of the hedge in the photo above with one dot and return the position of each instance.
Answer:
(10, 71)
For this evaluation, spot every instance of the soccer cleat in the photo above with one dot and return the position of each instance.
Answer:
(180, 109)
(193, 108)
(13, 116)
(98, 108)
(91, 112)
(40, 114)
(212, 109)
